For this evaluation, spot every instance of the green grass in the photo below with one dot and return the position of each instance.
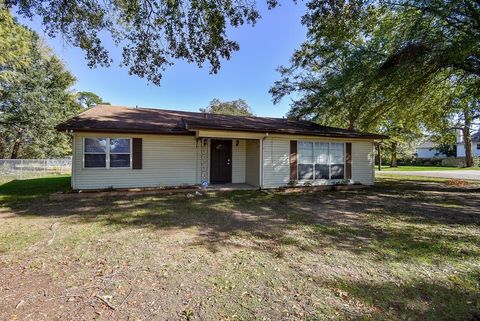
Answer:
(27, 189)
(423, 168)
(406, 249)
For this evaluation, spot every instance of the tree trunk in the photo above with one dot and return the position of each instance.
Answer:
(16, 146)
(393, 162)
(467, 140)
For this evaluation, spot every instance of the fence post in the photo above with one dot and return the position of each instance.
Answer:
(44, 167)
(21, 168)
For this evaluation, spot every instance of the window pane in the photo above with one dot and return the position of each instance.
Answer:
(337, 171)
(119, 160)
(336, 153)
(321, 153)
(119, 145)
(95, 160)
(95, 145)
(305, 171)
(305, 152)
(321, 171)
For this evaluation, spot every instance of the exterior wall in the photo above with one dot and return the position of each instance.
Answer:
(363, 158)
(276, 153)
(461, 149)
(168, 160)
(173, 160)
(429, 153)
(276, 162)
(252, 164)
(238, 160)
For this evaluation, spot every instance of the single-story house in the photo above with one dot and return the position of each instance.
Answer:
(475, 145)
(121, 147)
(428, 149)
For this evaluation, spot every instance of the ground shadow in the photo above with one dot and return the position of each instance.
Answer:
(325, 219)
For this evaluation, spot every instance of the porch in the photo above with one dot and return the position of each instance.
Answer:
(229, 162)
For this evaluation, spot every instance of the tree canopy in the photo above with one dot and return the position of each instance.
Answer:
(237, 107)
(152, 33)
(35, 95)
(88, 99)
(395, 67)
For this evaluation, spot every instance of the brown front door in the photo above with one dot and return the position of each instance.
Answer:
(220, 161)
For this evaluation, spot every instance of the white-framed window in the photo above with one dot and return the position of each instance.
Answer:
(107, 152)
(321, 160)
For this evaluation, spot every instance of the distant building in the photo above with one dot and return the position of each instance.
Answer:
(428, 149)
(461, 144)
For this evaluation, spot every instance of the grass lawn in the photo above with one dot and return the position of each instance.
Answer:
(403, 250)
(424, 168)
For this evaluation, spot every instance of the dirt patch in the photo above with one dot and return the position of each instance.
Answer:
(399, 250)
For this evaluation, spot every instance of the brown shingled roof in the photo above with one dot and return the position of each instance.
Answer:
(107, 118)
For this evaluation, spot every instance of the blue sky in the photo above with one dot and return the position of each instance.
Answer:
(248, 74)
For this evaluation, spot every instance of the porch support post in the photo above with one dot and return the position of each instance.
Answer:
(260, 144)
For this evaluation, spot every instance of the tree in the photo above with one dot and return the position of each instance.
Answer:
(152, 33)
(88, 99)
(34, 98)
(367, 62)
(237, 107)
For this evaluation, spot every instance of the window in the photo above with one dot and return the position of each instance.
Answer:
(97, 155)
(119, 152)
(321, 160)
(337, 160)
(478, 145)
(95, 152)
(305, 160)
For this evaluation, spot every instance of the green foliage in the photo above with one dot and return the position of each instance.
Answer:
(237, 107)
(395, 67)
(88, 99)
(153, 34)
(14, 44)
(35, 96)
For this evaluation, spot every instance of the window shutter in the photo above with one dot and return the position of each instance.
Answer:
(293, 160)
(348, 160)
(137, 153)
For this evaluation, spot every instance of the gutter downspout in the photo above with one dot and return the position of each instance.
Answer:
(262, 159)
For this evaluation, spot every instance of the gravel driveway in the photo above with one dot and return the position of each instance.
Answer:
(459, 174)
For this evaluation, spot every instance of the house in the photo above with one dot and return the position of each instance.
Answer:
(461, 144)
(121, 147)
(428, 149)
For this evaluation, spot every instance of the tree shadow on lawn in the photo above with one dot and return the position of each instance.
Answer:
(394, 220)
(403, 222)
(415, 300)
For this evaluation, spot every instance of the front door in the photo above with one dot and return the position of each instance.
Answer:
(220, 161)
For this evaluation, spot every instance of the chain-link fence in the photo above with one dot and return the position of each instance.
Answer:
(26, 168)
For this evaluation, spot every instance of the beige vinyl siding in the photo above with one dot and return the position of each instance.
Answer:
(362, 162)
(238, 161)
(252, 164)
(173, 160)
(276, 154)
(276, 162)
(168, 160)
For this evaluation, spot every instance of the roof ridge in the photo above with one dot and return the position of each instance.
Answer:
(195, 112)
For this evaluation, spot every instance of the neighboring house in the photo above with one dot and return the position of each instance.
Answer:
(475, 144)
(124, 147)
(428, 150)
